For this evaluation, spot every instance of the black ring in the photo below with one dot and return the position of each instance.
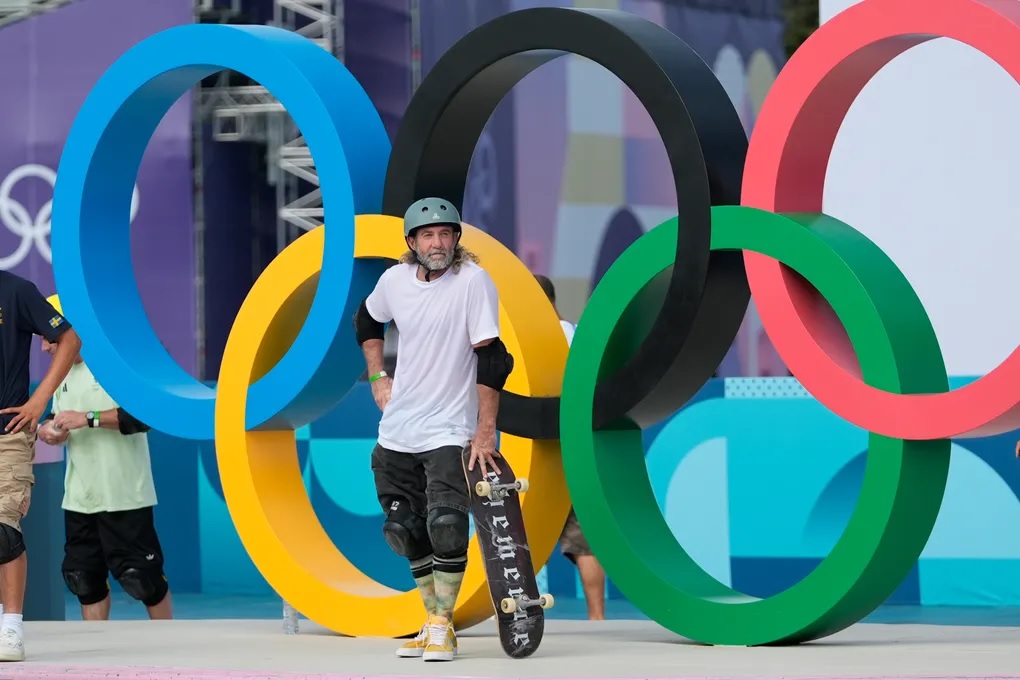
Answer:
(706, 295)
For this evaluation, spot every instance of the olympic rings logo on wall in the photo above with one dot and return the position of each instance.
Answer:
(654, 330)
(33, 231)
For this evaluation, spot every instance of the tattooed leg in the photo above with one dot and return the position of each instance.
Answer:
(424, 577)
(449, 574)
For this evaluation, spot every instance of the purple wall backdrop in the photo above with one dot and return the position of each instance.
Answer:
(377, 35)
(50, 63)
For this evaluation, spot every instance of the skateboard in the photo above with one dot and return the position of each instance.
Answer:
(499, 525)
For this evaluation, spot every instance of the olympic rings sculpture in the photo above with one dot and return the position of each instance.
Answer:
(655, 328)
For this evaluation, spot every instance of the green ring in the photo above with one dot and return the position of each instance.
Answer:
(903, 483)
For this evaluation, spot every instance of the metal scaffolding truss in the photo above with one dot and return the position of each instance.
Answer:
(12, 11)
(298, 207)
(248, 112)
(324, 20)
(302, 210)
(240, 112)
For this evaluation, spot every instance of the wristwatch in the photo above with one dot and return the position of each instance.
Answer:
(92, 417)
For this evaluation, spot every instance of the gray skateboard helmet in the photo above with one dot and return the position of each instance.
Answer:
(427, 212)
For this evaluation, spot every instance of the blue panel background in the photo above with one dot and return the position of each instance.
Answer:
(754, 476)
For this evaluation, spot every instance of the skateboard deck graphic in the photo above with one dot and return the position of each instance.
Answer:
(499, 525)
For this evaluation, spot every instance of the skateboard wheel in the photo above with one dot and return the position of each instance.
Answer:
(522, 485)
(547, 601)
(483, 488)
(508, 605)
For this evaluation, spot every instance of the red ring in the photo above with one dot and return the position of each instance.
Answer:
(785, 172)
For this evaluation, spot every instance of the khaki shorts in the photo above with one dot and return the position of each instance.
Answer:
(573, 544)
(17, 454)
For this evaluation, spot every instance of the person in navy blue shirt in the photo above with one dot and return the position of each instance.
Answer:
(24, 312)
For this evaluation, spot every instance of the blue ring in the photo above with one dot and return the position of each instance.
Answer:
(91, 205)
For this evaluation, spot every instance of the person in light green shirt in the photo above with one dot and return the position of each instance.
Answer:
(109, 496)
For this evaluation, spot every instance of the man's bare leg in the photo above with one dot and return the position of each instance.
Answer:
(163, 610)
(100, 611)
(593, 581)
(12, 583)
(13, 576)
(18, 452)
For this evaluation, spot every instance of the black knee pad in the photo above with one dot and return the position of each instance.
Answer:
(448, 530)
(405, 532)
(148, 586)
(90, 587)
(12, 545)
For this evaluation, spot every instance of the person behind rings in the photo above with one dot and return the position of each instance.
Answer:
(444, 394)
(109, 495)
(573, 544)
(24, 312)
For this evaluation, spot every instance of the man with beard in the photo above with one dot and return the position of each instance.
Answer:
(451, 366)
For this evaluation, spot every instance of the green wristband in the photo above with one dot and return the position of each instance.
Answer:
(380, 374)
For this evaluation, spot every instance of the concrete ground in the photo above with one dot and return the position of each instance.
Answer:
(237, 648)
(263, 606)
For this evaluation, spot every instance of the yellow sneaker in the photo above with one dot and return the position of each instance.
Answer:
(441, 642)
(415, 647)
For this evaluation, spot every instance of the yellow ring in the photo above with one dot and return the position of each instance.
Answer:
(262, 482)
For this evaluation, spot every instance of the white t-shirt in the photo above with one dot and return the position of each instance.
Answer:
(568, 330)
(434, 401)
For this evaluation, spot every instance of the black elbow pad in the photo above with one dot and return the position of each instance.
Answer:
(494, 364)
(128, 424)
(365, 327)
